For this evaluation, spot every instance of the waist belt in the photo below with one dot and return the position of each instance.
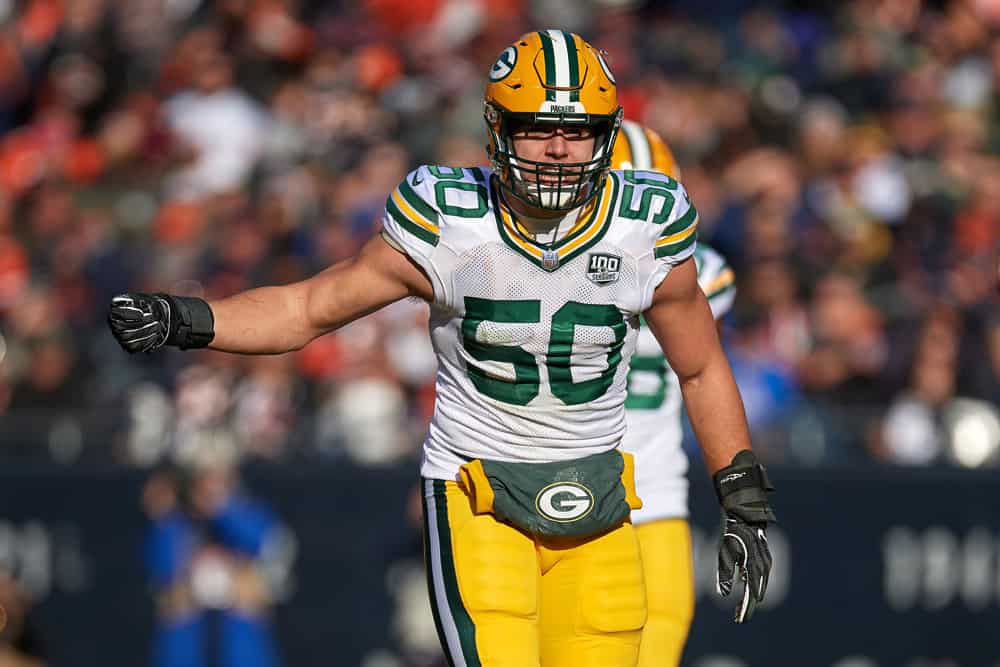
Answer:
(576, 498)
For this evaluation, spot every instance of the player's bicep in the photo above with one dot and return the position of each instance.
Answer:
(682, 321)
(377, 276)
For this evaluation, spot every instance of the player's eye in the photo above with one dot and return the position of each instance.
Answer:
(534, 132)
(577, 131)
(548, 131)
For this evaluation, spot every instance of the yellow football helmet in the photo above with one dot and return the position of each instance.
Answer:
(551, 76)
(639, 147)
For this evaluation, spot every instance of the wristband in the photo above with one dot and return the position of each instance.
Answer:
(742, 489)
(192, 323)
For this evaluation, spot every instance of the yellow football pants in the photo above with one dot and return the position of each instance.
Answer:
(668, 566)
(502, 598)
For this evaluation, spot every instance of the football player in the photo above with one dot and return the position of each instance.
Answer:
(654, 435)
(536, 270)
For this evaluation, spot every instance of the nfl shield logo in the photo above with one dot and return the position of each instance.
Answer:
(603, 268)
(550, 259)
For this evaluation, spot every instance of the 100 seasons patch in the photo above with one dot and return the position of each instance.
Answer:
(603, 268)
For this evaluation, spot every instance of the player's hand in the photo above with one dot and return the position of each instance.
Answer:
(140, 322)
(743, 552)
(742, 489)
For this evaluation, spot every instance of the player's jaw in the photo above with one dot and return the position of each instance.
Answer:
(554, 184)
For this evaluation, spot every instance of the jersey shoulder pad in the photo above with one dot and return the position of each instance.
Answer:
(716, 278)
(418, 211)
(664, 220)
(411, 217)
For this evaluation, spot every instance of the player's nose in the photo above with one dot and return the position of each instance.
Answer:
(557, 147)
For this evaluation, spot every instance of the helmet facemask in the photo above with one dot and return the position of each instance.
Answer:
(548, 185)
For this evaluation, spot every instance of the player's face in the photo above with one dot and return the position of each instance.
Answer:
(557, 144)
(545, 151)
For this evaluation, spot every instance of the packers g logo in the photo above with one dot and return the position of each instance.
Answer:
(564, 502)
(504, 64)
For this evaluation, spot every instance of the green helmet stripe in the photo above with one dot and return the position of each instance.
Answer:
(574, 63)
(550, 64)
(638, 144)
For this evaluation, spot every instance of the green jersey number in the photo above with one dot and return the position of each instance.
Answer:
(658, 189)
(450, 178)
(558, 359)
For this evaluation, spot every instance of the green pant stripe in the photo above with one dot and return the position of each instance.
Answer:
(455, 627)
(428, 560)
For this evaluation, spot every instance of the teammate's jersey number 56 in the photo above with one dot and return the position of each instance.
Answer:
(648, 385)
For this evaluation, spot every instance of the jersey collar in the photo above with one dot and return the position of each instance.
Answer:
(590, 227)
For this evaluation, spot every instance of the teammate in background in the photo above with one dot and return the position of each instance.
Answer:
(641, 149)
(654, 435)
(537, 270)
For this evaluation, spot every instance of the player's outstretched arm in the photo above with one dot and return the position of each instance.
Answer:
(271, 320)
(682, 322)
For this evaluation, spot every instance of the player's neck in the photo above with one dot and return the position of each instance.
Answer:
(543, 225)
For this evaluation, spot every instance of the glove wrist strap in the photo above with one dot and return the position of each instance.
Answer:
(193, 324)
(742, 489)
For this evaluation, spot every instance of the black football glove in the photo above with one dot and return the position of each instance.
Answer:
(144, 322)
(742, 489)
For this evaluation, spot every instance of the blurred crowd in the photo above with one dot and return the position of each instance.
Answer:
(842, 156)
(21, 644)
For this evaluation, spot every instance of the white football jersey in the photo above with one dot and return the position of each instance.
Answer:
(654, 403)
(533, 341)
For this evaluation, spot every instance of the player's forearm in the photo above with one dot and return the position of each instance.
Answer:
(266, 320)
(715, 409)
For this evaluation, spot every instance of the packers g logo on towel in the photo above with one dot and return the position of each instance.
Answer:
(504, 64)
(564, 502)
